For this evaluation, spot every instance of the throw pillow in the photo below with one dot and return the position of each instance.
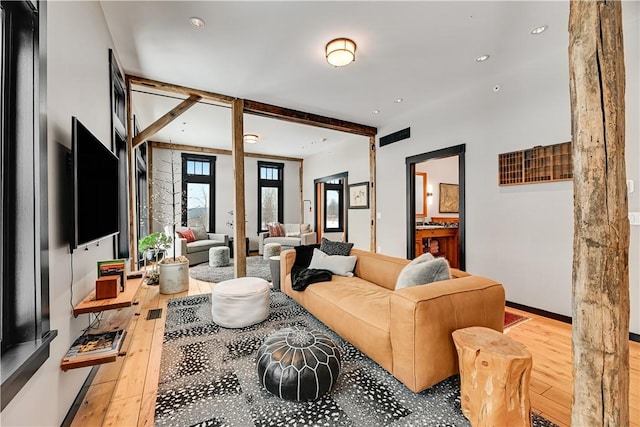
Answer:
(335, 248)
(305, 228)
(275, 230)
(304, 253)
(187, 234)
(423, 272)
(200, 232)
(337, 264)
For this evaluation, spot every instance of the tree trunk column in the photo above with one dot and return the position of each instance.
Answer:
(601, 228)
(494, 378)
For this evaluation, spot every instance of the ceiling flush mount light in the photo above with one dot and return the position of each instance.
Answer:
(375, 112)
(482, 58)
(340, 52)
(398, 100)
(196, 22)
(539, 30)
(250, 138)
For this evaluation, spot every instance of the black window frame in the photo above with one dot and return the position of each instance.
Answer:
(270, 183)
(200, 179)
(339, 187)
(24, 290)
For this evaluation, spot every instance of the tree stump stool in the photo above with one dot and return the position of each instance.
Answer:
(494, 378)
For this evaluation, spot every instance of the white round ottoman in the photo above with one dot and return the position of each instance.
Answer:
(241, 302)
(271, 249)
(219, 256)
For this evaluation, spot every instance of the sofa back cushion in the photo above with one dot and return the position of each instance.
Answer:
(380, 269)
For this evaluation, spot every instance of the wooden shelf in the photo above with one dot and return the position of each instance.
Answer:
(118, 313)
(124, 299)
(538, 164)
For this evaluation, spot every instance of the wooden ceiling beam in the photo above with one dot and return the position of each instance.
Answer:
(287, 114)
(155, 127)
(219, 151)
(141, 81)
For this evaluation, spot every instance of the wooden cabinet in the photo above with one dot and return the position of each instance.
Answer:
(116, 314)
(447, 238)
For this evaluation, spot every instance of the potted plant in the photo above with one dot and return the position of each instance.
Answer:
(152, 247)
(167, 193)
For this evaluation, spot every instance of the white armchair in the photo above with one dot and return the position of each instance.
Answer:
(295, 235)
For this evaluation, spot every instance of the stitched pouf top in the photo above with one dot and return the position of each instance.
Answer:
(298, 364)
(241, 286)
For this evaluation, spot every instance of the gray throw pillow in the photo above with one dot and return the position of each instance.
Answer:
(200, 232)
(423, 272)
(330, 247)
(336, 264)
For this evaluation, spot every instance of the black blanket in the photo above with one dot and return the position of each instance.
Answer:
(302, 277)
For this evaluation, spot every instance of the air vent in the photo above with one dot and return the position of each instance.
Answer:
(395, 137)
(155, 313)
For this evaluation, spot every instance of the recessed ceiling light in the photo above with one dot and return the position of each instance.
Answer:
(398, 101)
(375, 112)
(539, 30)
(482, 58)
(196, 22)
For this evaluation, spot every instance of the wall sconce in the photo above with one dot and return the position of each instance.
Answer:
(340, 52)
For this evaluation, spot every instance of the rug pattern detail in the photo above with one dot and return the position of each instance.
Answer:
(208, 377)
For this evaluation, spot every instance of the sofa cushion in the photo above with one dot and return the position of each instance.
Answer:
(330, 247)
(337, 264)
(200, 232)
(423, 272)
(284, 241)
(304, 253)
(275, 230)
(187, 234)
(203, 245)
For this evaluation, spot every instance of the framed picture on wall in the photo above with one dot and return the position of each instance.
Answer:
(359, 195)
(449, 198)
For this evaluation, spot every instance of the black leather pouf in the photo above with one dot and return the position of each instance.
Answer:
(298, 364)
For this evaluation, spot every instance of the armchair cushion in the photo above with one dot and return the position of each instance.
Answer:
(200, 232)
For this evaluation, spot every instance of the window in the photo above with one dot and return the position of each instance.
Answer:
(334, 205)
(24, 288)
(270, 189)
(198, 191)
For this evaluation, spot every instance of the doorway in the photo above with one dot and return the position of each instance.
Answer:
(445, 235)
(331, 220)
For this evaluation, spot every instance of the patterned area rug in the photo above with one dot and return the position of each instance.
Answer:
(256, 267)
(512, 319)
(208, 378)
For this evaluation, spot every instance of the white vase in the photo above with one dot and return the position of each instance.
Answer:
(174, 278)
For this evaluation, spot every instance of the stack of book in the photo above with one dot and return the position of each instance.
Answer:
(93, 345)
(113, 267)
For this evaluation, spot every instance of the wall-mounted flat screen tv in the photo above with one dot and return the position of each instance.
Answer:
(95, 187)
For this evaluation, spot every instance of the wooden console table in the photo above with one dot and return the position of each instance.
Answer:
(447, 239)
(118, 314)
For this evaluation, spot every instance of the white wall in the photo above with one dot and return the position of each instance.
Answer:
(225, 190)
(78, 85)
(521, 235)
(438, 171)
(350, 155)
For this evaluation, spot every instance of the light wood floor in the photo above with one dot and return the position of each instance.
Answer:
(123, 393)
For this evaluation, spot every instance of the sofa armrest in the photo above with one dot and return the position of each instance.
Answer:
(423, 318)
(220, 237)
(287, 259)
(308, 238)
(181, 247)
(261, 236)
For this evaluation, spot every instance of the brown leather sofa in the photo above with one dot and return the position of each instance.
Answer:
(408, 331)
